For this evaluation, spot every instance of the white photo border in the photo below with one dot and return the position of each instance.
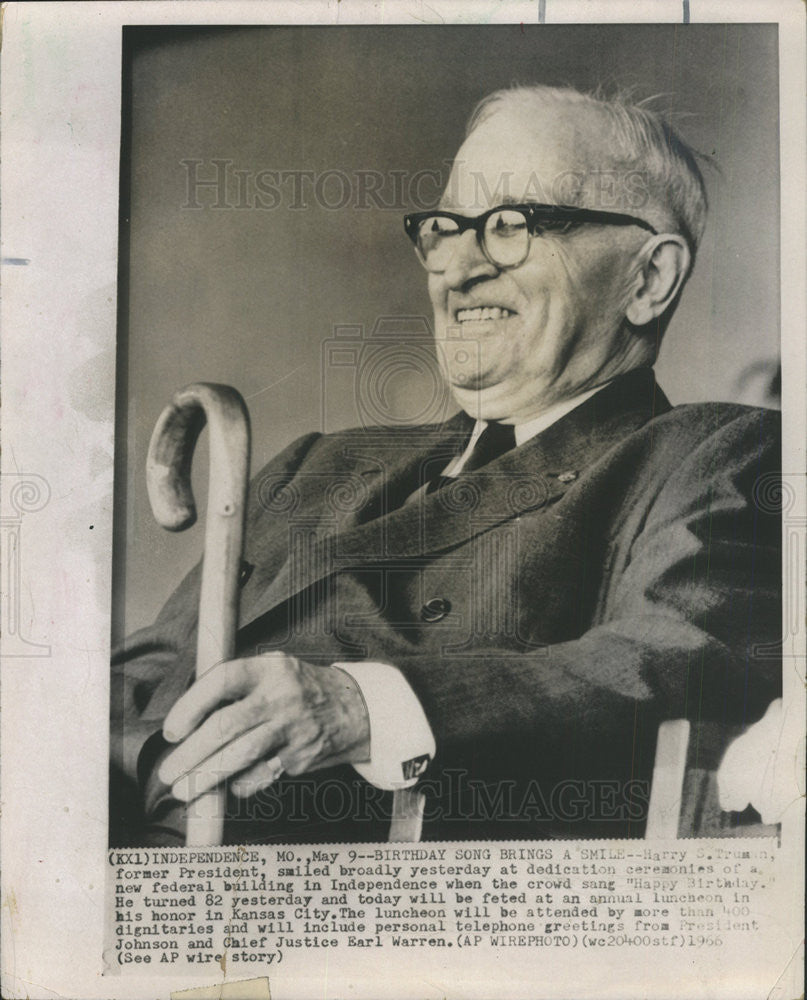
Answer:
(61, 86)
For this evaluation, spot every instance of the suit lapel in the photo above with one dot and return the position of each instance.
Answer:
(381, 471)
(300, 521)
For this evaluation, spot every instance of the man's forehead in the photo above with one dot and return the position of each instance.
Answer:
(526, 155)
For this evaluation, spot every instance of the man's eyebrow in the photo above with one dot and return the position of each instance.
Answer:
(504, 202)
(510, 199)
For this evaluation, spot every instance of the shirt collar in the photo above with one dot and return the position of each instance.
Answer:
(526, 430)
(540, 423)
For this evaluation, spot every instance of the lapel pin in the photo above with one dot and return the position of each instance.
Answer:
(567, 477)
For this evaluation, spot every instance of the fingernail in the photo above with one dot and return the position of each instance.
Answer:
(170, 736)
(180, 791)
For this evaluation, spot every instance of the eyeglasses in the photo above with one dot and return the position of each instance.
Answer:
(503, 232)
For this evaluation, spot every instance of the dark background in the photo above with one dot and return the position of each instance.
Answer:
(251, 296)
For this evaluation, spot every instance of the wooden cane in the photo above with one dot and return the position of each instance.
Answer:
(168, 470)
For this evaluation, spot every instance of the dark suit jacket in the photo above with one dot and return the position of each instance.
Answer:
(610, 573)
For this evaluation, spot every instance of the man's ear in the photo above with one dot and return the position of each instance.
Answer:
(666, 261)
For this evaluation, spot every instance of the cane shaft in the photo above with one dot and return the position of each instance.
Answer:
(169, 463)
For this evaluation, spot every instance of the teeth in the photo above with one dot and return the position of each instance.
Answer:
(482, 313)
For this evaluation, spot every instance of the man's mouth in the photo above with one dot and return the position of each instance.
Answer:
(480, 313)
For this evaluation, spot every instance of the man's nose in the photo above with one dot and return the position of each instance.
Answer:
(468, 263)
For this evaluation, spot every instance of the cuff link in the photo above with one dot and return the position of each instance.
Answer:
(401, 740)
(415, 767)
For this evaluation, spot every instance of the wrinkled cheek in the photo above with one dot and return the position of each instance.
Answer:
(558, 339)
(540, 328)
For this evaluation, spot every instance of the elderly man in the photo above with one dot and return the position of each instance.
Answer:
(515, 600)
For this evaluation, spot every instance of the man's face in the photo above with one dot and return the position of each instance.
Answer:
(513, 342)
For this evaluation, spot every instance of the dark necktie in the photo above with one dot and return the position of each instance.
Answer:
(494, 440)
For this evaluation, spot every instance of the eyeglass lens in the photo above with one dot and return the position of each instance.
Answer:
(505, 239)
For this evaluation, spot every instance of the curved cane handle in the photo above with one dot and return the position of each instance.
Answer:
(168, 466)
(168, 470)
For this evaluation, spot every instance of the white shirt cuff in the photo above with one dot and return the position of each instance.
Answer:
(401, 740)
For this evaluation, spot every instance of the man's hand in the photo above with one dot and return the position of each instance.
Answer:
(260, 716)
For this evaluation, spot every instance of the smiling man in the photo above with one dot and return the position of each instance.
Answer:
(561, 314)
(501, 609)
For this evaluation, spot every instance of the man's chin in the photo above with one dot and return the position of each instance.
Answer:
(476, 382)
(507, 400)
(483, 399)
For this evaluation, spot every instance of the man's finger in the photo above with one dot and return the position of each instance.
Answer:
(259, 776)
(236, 756)
(223, 682)
(219, 729)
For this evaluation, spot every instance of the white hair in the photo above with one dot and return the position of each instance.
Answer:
(641, 141)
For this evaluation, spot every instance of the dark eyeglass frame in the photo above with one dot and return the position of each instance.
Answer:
(552, 218)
